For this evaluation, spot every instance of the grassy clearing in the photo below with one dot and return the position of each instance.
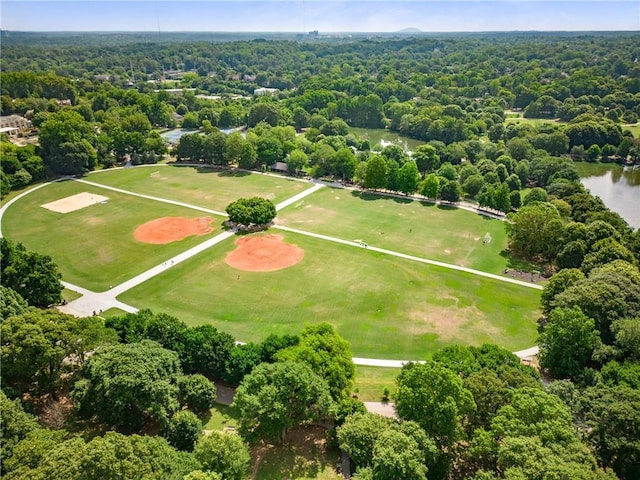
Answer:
(220, 417)
(94, 247)
(113, 312)
(384, 306)
(447, 234)
(371, 382)
(535, 122)
(305, 456)
(70, 295)
(203, 187)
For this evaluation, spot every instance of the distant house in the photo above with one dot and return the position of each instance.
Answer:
(279, 167)
(14, 124)
(264, 91)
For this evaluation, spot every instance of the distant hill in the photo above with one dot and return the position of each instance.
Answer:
(410, 30)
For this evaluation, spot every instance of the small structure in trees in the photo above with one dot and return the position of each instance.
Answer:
(251, 214)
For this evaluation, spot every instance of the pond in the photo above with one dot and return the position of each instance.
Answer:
(386, 137)
(617, 186)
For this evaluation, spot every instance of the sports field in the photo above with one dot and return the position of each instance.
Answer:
(94, 247)
(204, 187)
(401, 224)
(384, 306)
(387, 307)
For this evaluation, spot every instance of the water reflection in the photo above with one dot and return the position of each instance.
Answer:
(619, 189)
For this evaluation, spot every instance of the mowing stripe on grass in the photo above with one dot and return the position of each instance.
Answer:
(157, 199)
(412, 257)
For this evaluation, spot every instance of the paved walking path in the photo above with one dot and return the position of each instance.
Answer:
(95, 302)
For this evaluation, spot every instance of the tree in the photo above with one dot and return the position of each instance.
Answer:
(129, 385)
(11, 303)
(433, 396)
(66, 143)
(612, 415)
(567, 343)
(408, 178)
(183, 430)
(430, 186)
(376, 172)
(396, 455)
(223, 453)
(426, 158)
(604, 296)
(35, 344)
(206, 351)
(15, 425)
(558, 284)
(276, 397)
(251, 211)
(196, 392)
(33, 276)
(296, 161)
(329, 356)
(450, 191)
(358, 435)
(535, 231)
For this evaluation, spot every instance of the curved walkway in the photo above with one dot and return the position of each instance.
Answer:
(91, 303)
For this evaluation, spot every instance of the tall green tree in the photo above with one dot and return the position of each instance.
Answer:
(276, 397)
(33, 276)
(329, 356)
(129, 385)
(376, 172)
(434, 397)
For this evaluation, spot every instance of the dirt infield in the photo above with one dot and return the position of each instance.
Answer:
(265, 253)
(171, 229)
(74, 202)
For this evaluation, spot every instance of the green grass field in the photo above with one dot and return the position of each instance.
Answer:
(371, 382)
(203, 187)
(94, 247)
(422, 229)
(384, 306)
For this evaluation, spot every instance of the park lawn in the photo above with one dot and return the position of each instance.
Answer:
(220, 417)
(409, 226)
(204, 187)
(304, 456)
(113, 312)
(70, 295)
(94, 247)
(371, 381)
(535, 122)
(386, 307)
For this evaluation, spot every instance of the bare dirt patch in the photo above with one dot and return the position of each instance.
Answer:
(446, 322)
(74, 202)
(171, 229)
(264, 253)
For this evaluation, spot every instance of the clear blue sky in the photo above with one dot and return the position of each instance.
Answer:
(322, 15)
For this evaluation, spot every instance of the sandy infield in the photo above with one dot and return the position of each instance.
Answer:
(171, 229)
(265, 253)
(74, 202)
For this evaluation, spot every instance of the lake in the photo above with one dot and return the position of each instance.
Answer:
(386, 137)
(617, 186)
